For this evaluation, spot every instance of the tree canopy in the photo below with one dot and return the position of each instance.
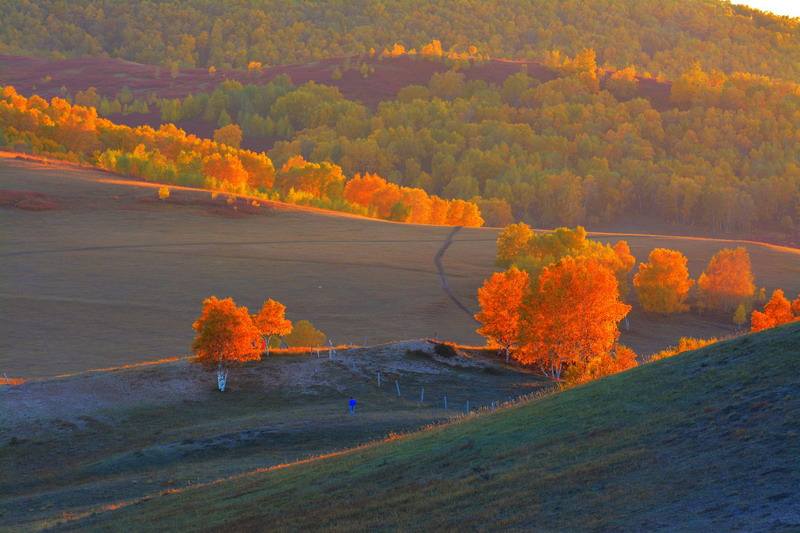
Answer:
(653, 35)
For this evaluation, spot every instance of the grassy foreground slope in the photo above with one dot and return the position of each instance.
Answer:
(707, 439)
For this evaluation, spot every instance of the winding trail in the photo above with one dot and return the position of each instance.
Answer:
(437, 260)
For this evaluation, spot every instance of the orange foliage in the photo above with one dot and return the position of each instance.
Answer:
(776, 312)
(601, 365)
(663, 283)
(390, 201)
(11, 381)
(271, 319)
(225, 334)
(518, 244)
(500, 299)
(727, 280)
(226, 172)
(321, 180)
(572, 315)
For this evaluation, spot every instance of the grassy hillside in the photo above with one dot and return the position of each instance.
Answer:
(73, 443)
(707, 439)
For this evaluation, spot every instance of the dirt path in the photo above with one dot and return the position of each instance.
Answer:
(443, 275)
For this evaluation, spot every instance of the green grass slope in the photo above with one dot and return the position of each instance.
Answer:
(707, 439)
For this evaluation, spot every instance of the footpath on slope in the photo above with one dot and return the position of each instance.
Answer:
(437, 260)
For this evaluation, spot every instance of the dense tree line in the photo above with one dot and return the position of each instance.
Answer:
(169, 155)
(722, 155)
(654, 35)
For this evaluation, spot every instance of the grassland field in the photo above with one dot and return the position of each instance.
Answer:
(706, 440)
(115, 276)
(71, 445)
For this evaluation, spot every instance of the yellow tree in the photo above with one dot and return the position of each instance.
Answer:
(500, 299)
(512, 242)
(305, 334)
(727, 280)
(662, 283)
(685, 344)
(740, 315)
(571, 316)
(271, 320)
(224, 335)
(230, 135)
(622, 266)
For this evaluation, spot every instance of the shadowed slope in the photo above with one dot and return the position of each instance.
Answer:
(707, 439)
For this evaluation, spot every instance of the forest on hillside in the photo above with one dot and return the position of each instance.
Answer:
(722, 154)
(656, 36)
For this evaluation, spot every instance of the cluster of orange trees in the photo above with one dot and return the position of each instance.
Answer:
(560, 301)
(779, 310)
(559, 305)
(169, 155)
(227, 334)
(390, 201)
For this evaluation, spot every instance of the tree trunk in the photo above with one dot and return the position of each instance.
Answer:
(222, 378)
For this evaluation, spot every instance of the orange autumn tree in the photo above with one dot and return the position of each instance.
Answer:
(271, 321)
(225, 335)
(520, 246)
(776, 312)
(500, 299)
(662, 283)
(571, 317)
(727, 280)
(601, 365)
(390, 201)
(320, 180)
(225, 172)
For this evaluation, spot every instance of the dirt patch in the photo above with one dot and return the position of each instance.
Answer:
(28, 200)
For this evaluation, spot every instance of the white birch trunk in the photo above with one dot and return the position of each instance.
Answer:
(222, 378)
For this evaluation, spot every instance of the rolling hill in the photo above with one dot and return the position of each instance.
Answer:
(705, 440)
(114, 276)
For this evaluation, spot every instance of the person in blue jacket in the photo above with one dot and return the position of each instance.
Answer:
(352, 405)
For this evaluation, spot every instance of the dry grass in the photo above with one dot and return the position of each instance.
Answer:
(116, 274)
